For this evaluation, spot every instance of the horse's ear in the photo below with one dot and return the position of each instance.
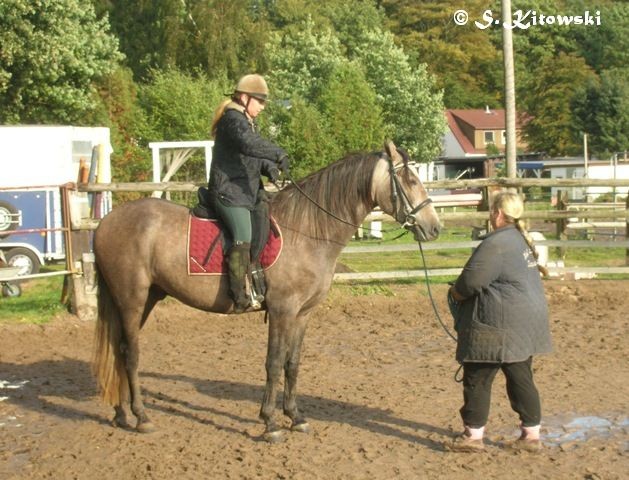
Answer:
(392, 152)
(405, 155)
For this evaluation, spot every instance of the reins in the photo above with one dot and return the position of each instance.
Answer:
(436, 310)
(315, 203)
(396, 192)
(432, 300)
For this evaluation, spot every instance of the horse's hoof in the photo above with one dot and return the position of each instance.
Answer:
(146, 427)
(274, 437)
(121, 423)
(303, 427)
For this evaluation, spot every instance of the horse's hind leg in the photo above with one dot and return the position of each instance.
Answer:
(133, 319)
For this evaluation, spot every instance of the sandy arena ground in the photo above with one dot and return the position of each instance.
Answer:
(376, 384)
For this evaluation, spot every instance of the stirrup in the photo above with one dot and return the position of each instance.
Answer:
(256, 300)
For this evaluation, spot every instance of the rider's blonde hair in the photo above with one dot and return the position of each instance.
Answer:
(218, 113)
(512, 207)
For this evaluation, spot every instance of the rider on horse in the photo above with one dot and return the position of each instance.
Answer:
(240, 157)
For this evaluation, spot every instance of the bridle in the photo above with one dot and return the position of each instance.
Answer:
(407, 219)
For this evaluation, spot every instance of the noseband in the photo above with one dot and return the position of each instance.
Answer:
(397, 193)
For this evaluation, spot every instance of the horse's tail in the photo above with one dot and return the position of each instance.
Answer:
(108, 362)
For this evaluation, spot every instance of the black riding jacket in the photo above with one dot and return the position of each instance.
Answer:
(240, 156)
(505, 315)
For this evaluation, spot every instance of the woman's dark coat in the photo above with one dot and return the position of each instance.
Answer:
(504, 317)
(239, 157)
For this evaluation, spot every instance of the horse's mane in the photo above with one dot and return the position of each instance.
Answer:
(340, 188)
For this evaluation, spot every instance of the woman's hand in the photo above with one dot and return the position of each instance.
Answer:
(456, 295)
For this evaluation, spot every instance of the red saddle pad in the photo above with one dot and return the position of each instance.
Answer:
(201, 235)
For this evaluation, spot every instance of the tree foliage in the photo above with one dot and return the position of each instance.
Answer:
(119, 108)
(51, 52)
(344, 74)
(464, 59)
(557, 83)
(180, 106)
(218, 37)
(410, 104)
(602, 111)
(303, 60)
(350, 108)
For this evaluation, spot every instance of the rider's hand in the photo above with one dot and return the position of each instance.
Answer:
(284, 165)
(274, 175)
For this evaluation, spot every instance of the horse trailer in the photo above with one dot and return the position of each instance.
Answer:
(34, 162)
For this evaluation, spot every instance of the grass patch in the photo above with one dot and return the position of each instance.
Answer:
(39, 303)
(456, 258)
(370, 289)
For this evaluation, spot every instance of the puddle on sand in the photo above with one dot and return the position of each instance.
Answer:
(562, 429)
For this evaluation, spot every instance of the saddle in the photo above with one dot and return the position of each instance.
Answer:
(208, 244)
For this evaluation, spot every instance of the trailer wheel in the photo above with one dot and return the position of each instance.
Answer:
(23, 258)
(7, 211)
(11, 290)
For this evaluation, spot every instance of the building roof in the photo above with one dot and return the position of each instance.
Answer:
(485, 119)
(464, 142)
(477, 119)
(481, 119)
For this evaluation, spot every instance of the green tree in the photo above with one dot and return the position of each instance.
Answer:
(218, 37)
(302, 60)
(607, 45)
(557, 81)
(180, 106)
(306, 136)
(602, 111)
(120, 110)
(412, 108)
(51, 52)
(150, 33)
(464, 59)
(350, 108)
(228, 38)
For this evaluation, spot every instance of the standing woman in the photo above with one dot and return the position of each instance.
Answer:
(240, 157)
(502, 321)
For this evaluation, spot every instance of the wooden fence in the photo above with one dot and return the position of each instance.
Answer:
(561, 216)
(80, 262)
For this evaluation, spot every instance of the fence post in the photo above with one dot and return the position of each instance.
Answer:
(627, 227)
(483, 206)
(562, 201)
(80, 290)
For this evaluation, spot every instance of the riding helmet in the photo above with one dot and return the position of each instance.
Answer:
(254, 85)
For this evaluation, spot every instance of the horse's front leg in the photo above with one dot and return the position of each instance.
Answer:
(291, 371)
(275, 357)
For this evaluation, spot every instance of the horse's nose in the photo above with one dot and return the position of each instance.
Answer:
(435, 231)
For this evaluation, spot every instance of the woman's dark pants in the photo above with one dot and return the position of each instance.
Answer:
(523, 395)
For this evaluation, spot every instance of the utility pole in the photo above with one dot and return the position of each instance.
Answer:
(509, 72)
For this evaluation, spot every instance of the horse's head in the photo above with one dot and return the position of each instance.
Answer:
(399, 192)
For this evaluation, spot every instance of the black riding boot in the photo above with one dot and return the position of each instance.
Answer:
(238, 268)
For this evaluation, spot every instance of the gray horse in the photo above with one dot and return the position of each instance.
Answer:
(140, 252)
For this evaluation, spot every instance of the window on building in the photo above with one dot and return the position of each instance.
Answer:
(504, 137)
(489, 137)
